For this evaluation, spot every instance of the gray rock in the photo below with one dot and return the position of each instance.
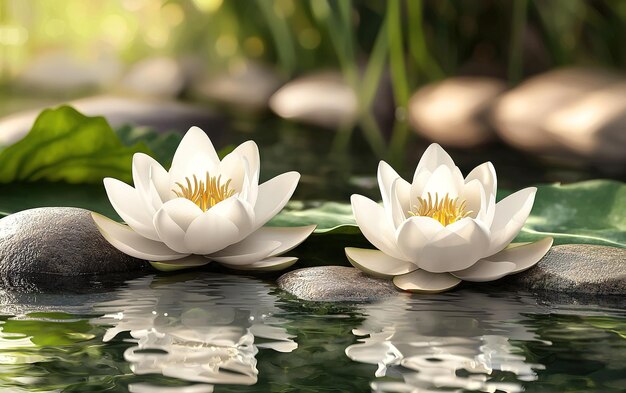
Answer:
(323, 99)
(162, 115)
(335, 284)
(593, 126)
(247, 88)
(57, 241)
(520, 115)
(579, 269)
(454, 111)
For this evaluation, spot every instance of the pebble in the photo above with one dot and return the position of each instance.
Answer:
(322, 99)
(335, 284)
(453, 112)
(520, 115)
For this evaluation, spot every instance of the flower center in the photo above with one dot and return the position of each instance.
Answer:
(445, 210)
(205, 193)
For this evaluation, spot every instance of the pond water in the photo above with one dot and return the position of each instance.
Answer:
(207, 331)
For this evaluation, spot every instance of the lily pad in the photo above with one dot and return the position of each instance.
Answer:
(591, 212)
(330, 217)
(162, 145)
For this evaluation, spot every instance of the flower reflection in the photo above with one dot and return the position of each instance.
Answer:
(430, 346)
(196, 330)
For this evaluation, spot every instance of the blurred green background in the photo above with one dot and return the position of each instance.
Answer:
(434, 38)
(540, 77)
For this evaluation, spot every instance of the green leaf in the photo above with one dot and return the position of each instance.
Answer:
(162, 145)
(330, 217)
(65, 145)
(592, 212)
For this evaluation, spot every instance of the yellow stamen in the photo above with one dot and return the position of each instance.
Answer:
(446, 210)
(207, 193)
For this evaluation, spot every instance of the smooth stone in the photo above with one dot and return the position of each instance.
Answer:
(57, 241)
(322, 99)
(593, 126)
(453, 112)
(60, 72)
(520, 115)
(579, 269)
(246, 88)
(335, 284)
(161, 115)
(161, 77)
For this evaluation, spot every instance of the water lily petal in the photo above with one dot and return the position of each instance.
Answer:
(210, 232)
(188, 262)
(269, 264)
(398, 208)
(523, 255)
(195, 155)
(378, 264)
(426, 282)
(443, 181)
(241, 161)
(154, 198)
(289, 237)
(237, 211)
(151, 181)
(456, 247)
(160, 182)
(250, 188)
(419, 181)
(169, 232)
(486, 174)
(182, 211)
(473, 194)
(250, 151)
(434, 157)
(485, 270)
(246, 185)
(510, 215)
(131, 207)
(232, 168)
(273, 196)
(130, 242)
(375, 225)
(386, 178)
(414, 234)
(245, 253)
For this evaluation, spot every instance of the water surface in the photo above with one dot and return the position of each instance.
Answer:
(202, 332)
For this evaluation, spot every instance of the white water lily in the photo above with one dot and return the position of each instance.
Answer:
(202, 210)
(442, 228)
